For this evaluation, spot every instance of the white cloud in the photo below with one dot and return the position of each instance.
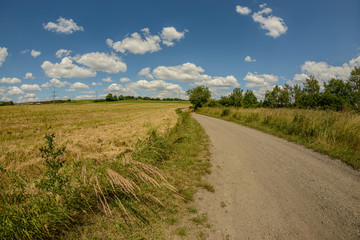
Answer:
(146, 73)
(14, 91)
(169, 34)
(63, 25)
(62, 53)
(30, 95)
(77, 86)
(118, 89)
(5, 99)
(300, 77)
(29, 75)
(262, 82)
(57, 83)
(108, 79)
(323, 72)
(187, 72)
(125, 79)
(102, 62)
(30, 88)
(46, 85)
(10, 80)
(243, 10)
(88, 92)
(136, 44)
(66, 69)
(85, 97)
(249, 59)
(96, 84)
(3, 55)
(259, 80)
(220, 82)
(158, 88)
(35, 53)
(273, 24)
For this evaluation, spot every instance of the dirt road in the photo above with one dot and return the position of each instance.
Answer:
(269, 188)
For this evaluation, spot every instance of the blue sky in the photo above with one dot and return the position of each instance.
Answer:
(163, 48)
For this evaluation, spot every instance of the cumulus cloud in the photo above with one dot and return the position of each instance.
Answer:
(262, 83)
(159, 88)
(3, 55)
(62, 53)
(10, 80)
(56, 83)
(243, 10)
(102, 62)
(249, 59)
(170, 34)
(96, 84)
(118, 89)
(108, 79)
(125, 79)
(66, 69)
(5, 99)
(77, 86)
(273, 24)
(67, 26)
(220, 82)
(35, 53)
(30, 88)
(30, 95)
(187, 72)
(14, 91)
(85, 97)
(322, 71)
(88, 92)
(136, 43)
(146, 73)
(29, 75)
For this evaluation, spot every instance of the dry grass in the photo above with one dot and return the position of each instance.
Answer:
(90, 131)
(330, 132)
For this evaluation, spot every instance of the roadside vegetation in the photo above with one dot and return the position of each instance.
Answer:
(133, 194)
(326, 120)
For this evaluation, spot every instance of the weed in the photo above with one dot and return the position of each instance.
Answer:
(200, 219)
(225, 112)
(181, 231)
(207, 186)
(192, 209)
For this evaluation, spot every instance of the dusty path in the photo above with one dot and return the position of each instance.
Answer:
(268, 188)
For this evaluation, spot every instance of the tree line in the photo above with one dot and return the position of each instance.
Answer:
(110, 98)
(336, 94)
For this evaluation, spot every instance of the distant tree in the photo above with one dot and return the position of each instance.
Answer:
(121, 98)
(354, 82)
(110, 97)
(199, 96)
(249, 100)
(236, 97)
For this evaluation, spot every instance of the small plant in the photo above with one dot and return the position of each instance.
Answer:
(192, 209)
(207, 186)
(200, 219)
(181, 231)
(225, 112)
(54, 161)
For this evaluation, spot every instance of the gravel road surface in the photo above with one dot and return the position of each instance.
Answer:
(269, 188)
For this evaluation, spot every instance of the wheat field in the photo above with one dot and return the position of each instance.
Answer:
(97, 131)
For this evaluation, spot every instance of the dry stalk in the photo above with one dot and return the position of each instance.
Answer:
(101, 197)
(83, 174)
(128, 186)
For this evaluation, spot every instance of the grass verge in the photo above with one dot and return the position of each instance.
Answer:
(336, 134)
(136, 195)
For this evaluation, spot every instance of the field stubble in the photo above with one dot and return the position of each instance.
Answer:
(98, 131)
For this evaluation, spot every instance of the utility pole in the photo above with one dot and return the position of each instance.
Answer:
(54, 95)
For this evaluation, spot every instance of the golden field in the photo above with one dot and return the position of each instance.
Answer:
(98, 131)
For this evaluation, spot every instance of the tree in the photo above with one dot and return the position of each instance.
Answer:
(236, 97)
(354, 82)
(199, 96)
(250, 100)
(110, 97)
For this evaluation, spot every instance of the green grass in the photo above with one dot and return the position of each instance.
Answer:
(334, 133)
(200, 219)
(135, 195)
